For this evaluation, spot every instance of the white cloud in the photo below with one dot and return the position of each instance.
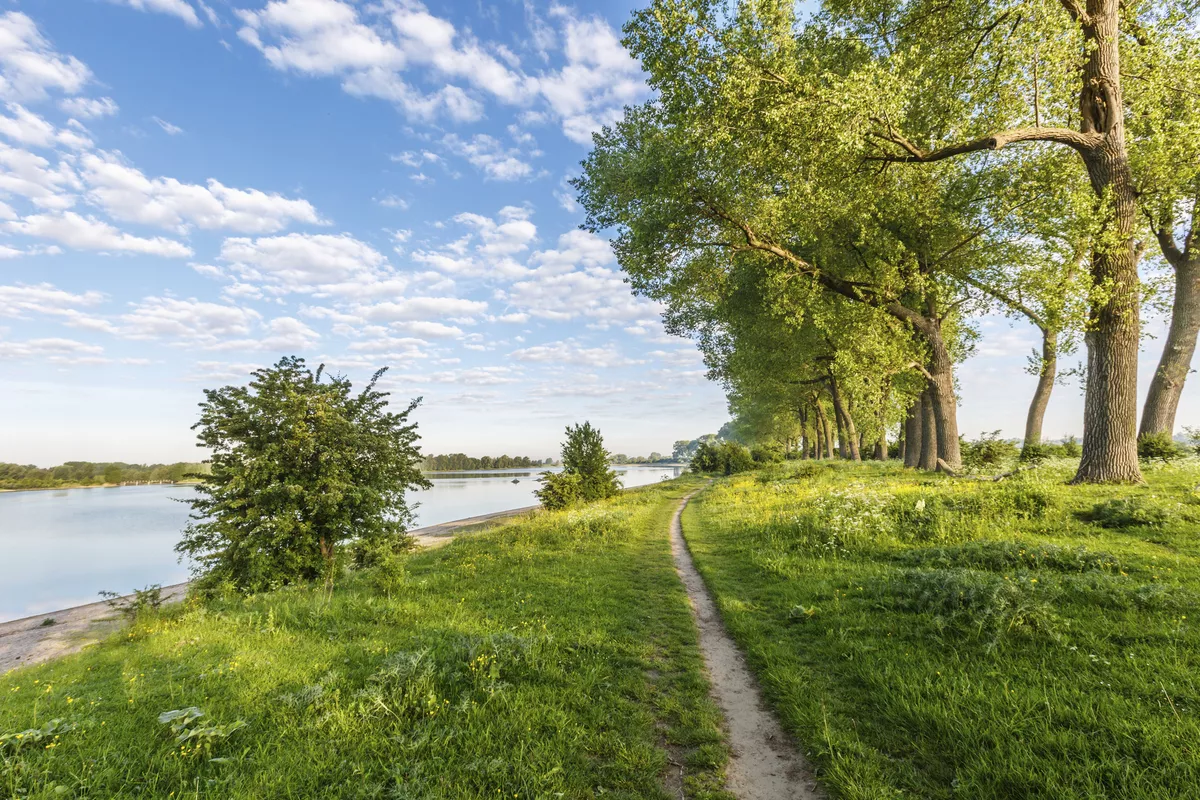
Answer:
(31, 176)
(477, 376)
(488, 154)
(127, 194)
(171, 130)
(420, 308)
(176, 8)
(44, 298)
(320, 263)
(89, 108)
(53, 350)
(571, 352)
(191, 321)
(372, 48)
(392, 201)
(488, 250)
(598, 80)
(89, 233)
(27, 128)
(29, 65)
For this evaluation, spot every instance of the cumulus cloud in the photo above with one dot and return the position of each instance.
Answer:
(27, 128)
(89, 233)
(491, 157)
(375, 49)
(308, 263)
(29, 65)
(34, 178)
(22, 300)
(488, 248)
(125, 193)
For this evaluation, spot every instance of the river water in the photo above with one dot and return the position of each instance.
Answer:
(60, 548)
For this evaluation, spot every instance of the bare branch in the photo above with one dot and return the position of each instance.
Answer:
(1170, 250)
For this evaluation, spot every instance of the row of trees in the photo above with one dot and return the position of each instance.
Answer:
(461, 461)
(89, 473)
(827, 206)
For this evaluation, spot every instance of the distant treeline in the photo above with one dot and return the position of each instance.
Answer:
(457, 461)
(88, 473)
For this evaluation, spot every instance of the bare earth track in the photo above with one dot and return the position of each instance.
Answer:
(764, 765)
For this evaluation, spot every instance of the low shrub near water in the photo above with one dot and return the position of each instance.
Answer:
(725, 458)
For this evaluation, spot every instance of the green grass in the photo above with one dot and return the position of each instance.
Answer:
(549, 658)
(928, 637)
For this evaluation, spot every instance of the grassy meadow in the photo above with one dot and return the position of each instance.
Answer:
(554, 657)
(922, 636)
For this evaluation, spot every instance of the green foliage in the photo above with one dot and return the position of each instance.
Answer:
(461, 461)
(87, 473)
(193, 737)
(1070, 447)
(565, 638)
(1159, 446)
(989, 450)
(767, 453)
(585, 477)
(560, 490)
(1193, 435)
(300, 467)
(724, 458)
(143, 602)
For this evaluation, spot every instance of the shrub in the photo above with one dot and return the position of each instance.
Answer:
(300, 466)
(585, 476)
(142, 602)
(725, 458)
(1132, 512)
(1070, 448)
(1193, 435)
(1034, 453)
(987, 451)
(560, 490)
(768, 453)
(1159, 446)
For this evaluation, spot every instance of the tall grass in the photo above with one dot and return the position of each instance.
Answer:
(549, 658)
(930, 637)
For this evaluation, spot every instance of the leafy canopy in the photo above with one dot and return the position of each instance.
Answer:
(300, 466)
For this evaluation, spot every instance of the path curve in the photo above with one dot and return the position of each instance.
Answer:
(763, 764)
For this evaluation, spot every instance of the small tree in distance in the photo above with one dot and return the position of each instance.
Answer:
(300, 466)
(585, 476)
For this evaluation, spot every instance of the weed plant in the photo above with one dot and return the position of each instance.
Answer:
(926, 636)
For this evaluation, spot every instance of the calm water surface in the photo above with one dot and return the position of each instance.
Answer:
(60, 548)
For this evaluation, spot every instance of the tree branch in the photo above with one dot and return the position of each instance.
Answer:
(1077, 11)
(1170, 250)
(1083, 142)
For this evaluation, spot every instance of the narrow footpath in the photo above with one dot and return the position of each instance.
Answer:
(763, 765)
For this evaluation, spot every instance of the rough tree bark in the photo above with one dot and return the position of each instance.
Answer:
(912, 434)
(929, 432)
(1162, 401)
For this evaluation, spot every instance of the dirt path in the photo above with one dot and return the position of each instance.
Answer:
(763, 765)
(32, 640)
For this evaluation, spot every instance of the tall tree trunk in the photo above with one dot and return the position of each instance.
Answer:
(1110, 403)
(824, 432)
(941, 395)
(848, 437)
(881, 448)
(803, 414)
(902, 441)
(1045, 385)
(1162, 401)
(912, 433)
(929, 431)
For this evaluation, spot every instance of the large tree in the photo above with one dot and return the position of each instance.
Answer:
(1021, 72)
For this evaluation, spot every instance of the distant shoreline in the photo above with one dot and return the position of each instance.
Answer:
(100, 486)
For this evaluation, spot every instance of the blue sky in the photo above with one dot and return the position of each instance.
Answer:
(191, 189)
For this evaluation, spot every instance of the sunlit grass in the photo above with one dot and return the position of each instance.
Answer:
(930, 637)
(544, 659)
